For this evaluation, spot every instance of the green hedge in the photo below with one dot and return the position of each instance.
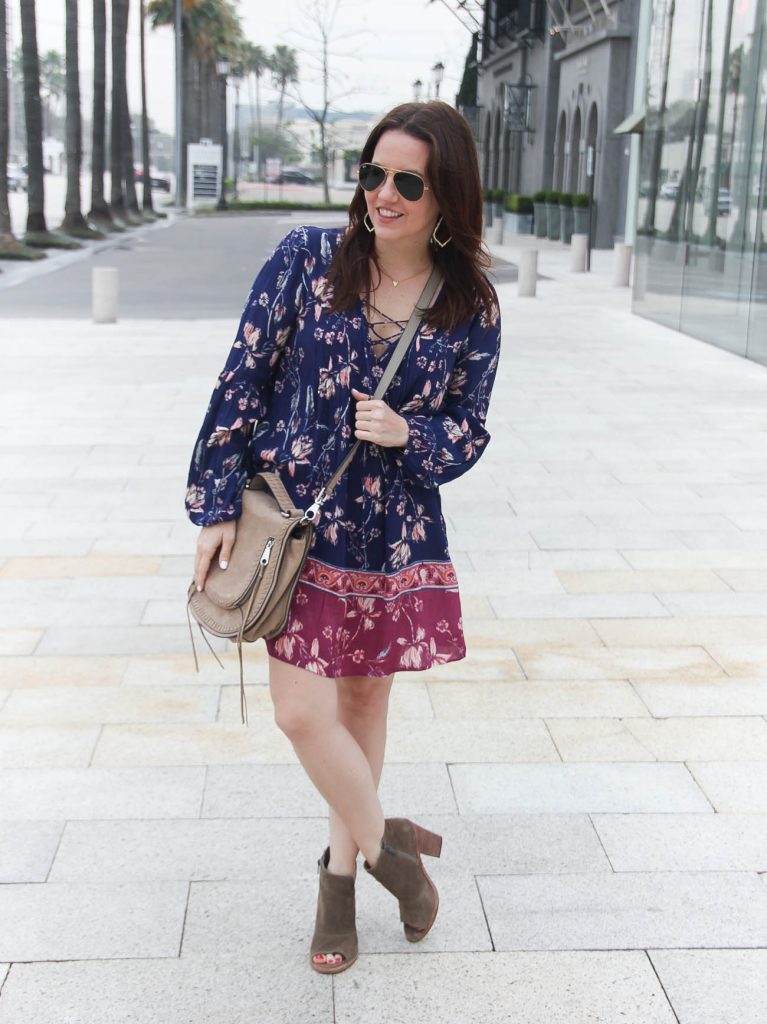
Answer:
(552, 198)
(581, 200)
(565, 199)
(539, 197)
(519, 204)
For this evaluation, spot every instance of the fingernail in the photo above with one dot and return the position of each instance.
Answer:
(199, 588)
(223, 563)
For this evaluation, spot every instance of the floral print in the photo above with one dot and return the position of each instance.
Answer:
(378, 592)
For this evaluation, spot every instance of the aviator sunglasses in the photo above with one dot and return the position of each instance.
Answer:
(410, 185)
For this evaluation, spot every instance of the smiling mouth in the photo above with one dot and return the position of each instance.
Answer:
(386, 214)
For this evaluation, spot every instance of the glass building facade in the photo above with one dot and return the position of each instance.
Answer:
(701, 228)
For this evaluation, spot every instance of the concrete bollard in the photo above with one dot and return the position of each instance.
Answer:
(104, 286)
(579, 247)
(622, 265)
(528, 273)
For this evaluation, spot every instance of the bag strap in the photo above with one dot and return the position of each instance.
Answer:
(428, 293)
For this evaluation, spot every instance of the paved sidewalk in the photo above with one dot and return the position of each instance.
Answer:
(597, 765)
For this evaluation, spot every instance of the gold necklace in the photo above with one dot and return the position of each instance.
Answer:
(400, 280)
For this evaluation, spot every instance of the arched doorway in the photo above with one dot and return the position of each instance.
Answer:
(574, 174)
(559, 154)
(505, 182)
(591, 134)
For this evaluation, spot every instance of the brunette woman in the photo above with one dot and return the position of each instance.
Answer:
(378, 593)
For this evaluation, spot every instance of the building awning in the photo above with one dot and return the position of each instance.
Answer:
(633, 124)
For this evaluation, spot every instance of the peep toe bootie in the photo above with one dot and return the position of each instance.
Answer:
(400, 870)
(335, 930)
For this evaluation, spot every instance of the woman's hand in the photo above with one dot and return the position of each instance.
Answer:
(376, 422)
(211, 538)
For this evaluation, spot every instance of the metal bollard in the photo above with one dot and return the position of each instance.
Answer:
(622, 265)
(104, 281)
(579, 247)
(528, 274)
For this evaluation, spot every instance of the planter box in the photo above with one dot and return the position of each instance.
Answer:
(581, 220)
(552, 213)
(517, 223)
(487, 210)
(541, 220)
(566, 222)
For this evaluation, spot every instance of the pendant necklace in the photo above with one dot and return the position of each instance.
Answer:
(400, 280)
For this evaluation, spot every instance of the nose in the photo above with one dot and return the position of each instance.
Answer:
(388, 192)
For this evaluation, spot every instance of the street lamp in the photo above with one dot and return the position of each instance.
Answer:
(437, 74)
(222, 68)
(417, 90)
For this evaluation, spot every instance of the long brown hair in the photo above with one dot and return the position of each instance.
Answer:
(453, 175)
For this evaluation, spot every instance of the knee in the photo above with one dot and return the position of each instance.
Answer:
(365, 698)
(293, 720)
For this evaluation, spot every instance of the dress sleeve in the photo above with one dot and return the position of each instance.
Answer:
(218, 472)
(444, 444)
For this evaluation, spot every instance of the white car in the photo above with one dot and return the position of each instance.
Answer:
(17, 179)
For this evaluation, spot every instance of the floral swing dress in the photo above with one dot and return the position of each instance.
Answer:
(378, 593)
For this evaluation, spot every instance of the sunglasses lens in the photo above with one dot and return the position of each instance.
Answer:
(371, 176)
(408, 185)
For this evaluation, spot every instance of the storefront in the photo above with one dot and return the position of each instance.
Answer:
(701, 243)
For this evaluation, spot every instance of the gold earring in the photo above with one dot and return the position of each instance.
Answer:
(370, 227)
(434, 236)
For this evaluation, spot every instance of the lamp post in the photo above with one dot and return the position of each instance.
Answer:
(222, 68)
(437, 74)
(236, 146)
(417, 90)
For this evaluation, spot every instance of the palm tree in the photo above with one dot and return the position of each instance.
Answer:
(74, 223)
(284, 65)
(211, 28)
(116, 135)
(37, 233)
(10, 247)
(99, 213)
(145, 155)
(256, 61)
(52, 85)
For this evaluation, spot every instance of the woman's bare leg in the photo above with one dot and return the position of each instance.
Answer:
(363, 705)
(306, 708)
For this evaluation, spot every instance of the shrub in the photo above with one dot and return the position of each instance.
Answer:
(552, 198)
(581, 200)
(539, 197)
(565, 199)
(519, 204)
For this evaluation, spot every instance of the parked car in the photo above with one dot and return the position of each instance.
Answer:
(724, 201)
(17, 178)
(292, 176)
(156, 180)
(669, 190)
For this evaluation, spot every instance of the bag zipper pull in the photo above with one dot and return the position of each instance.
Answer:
(267, 551)
(314, 509)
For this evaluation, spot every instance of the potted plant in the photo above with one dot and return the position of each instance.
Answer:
(565, 216)
(541, 221)
(499, 198)
(581, 213)
(552, 215)
(518, 215)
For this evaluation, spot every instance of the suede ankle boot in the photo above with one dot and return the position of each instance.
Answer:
(400, 870)
(335, 930)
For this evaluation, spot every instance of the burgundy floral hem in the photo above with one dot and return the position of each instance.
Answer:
(351, 635)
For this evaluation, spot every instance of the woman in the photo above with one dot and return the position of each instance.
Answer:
(378, 593)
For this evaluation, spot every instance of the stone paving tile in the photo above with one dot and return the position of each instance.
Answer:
(19, 641)
(576, 606)
(480, 663)
(628, 910)
(54, 568)
(120, 639)
(525, 739)
(260, 742)
(731, 785)
(731, 696)
(513, 788)
(684, 842)
(670, 739)
(237, 989)
(741, 659)
(509, 988)
(46, 746)
(99, 705)
(636, 582)
(495, 632)
(680, 632)
(714, 986)
(93, 614)
(539, 698)
(34, 794)
(27, 849)
(688, 664)
(64, 671)
(78, 921)
(275, 791)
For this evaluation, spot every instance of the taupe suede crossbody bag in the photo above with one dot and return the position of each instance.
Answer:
(251, 598)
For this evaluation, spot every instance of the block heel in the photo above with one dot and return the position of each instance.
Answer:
(427, 842)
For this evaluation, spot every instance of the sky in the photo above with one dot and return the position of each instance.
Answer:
(379, 47)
